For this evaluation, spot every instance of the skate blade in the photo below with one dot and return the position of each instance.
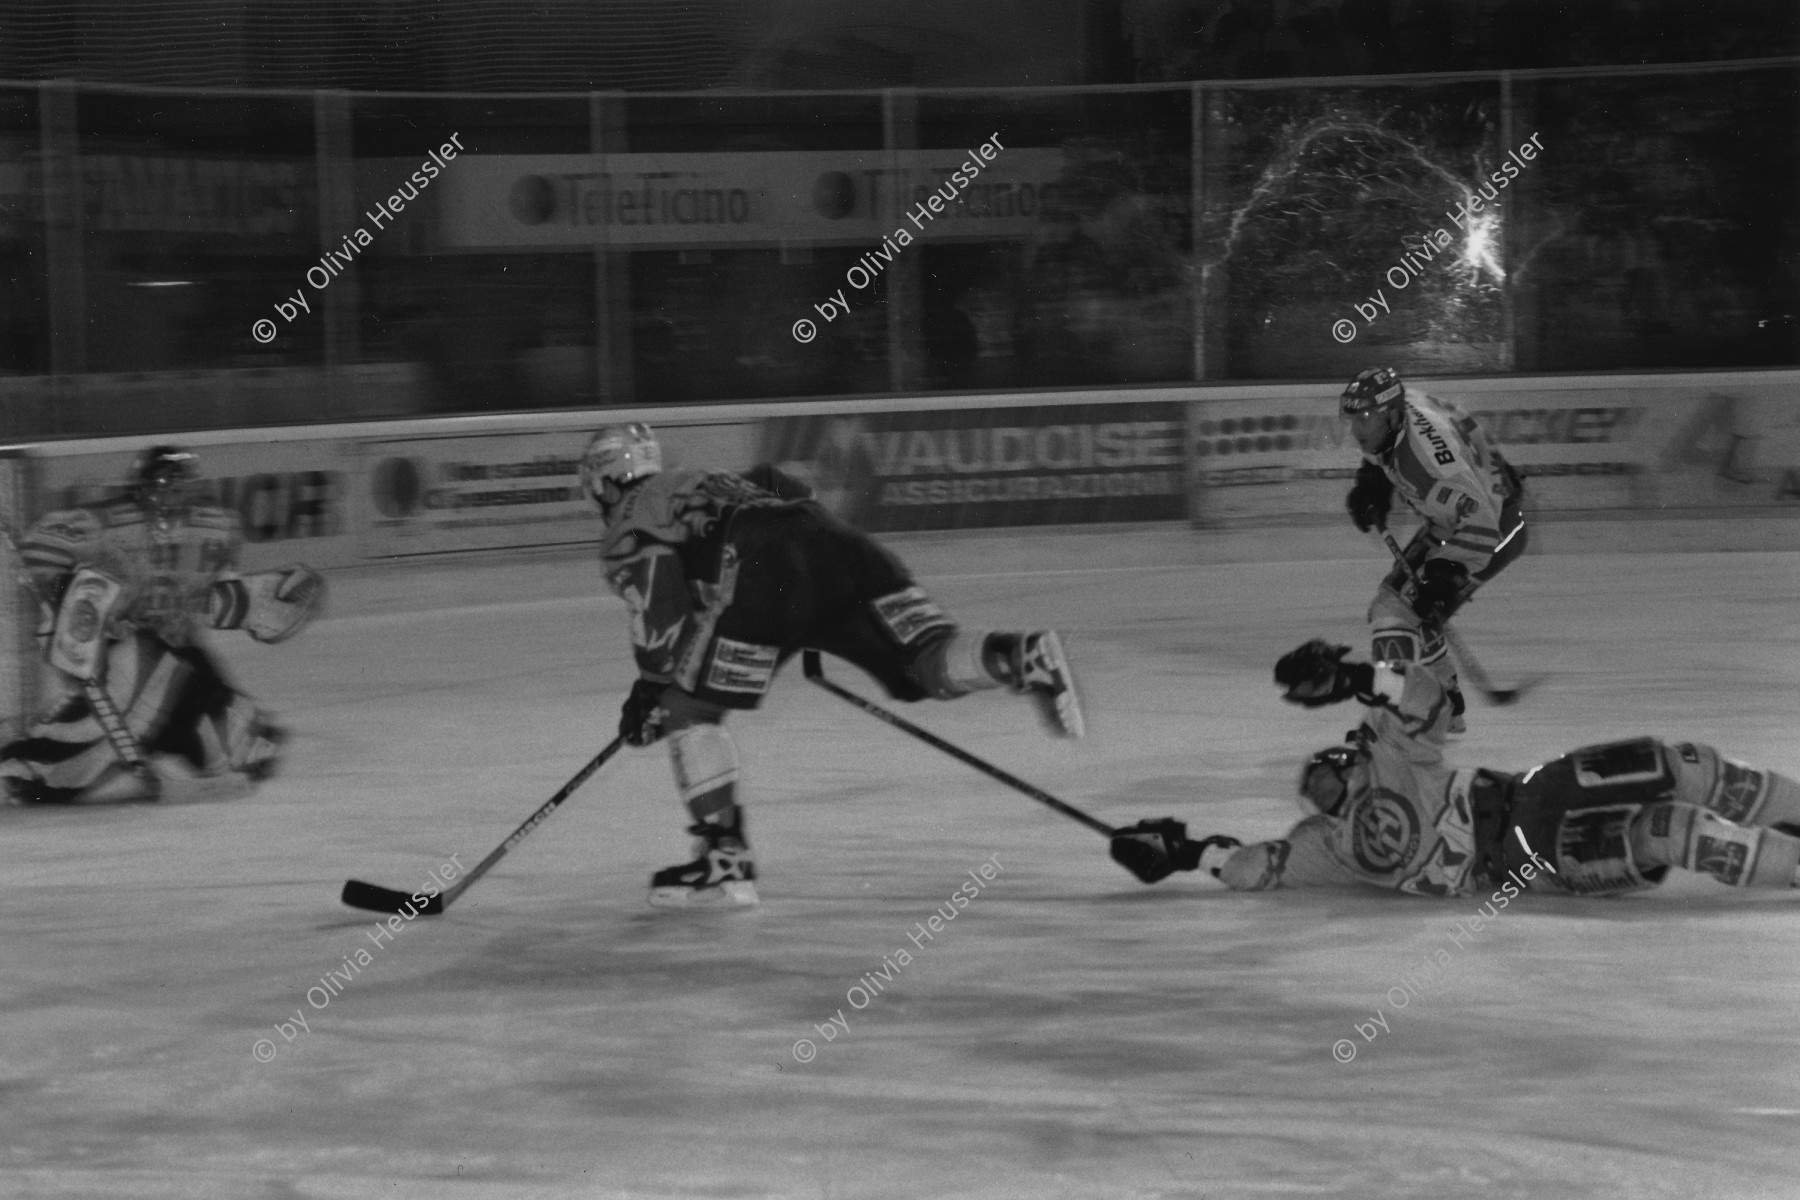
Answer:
(735, 894)
(1062, 713)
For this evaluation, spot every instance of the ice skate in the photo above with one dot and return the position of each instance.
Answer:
(721, 876)
(268, 740)
(1042, 670)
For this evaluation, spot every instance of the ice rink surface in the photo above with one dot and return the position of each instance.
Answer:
(1071, 1033)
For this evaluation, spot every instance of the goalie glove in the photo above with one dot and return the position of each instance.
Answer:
(1315, 674)
(1154, 850)
(270, 606)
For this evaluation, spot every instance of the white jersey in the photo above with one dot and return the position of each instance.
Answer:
(1407, 824)
(1443, 467)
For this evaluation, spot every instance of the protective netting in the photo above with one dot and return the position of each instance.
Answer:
(399, 45)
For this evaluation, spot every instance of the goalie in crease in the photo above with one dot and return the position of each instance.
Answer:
(126, 587)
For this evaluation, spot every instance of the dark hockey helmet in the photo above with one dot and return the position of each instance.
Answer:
(1375, 388)
(615, 458)
(1325, 779)
(163, 480)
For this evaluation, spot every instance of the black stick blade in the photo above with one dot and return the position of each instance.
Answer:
(1501, 697)
(358, 894)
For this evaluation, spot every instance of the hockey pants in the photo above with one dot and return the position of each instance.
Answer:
(1615, 817)
(1398, 634)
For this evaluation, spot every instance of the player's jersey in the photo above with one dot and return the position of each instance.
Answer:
(663, 552)
(1407, 825)
(1442, 465)
(167, 570)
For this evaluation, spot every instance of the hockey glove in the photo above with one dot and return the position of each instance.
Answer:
(1316, 674)
(1154, 850)
(1370, 497)
(1441, 584)
(642, 719)
(1214, 851)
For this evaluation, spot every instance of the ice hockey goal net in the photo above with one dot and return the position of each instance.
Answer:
(20, 665)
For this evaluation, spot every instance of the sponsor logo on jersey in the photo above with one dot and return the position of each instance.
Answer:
(1440, 448)
(1384, 831)
(742, 667)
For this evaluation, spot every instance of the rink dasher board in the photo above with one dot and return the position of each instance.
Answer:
(1724, 443)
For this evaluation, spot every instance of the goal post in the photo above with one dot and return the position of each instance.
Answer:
(21, 665)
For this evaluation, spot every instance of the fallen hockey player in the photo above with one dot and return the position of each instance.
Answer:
(725, 580)
(1386, 811)
(128, 585)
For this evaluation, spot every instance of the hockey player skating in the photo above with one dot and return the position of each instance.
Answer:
(1386, 810)
(727, 576)
(1440, 463)
(127, 585)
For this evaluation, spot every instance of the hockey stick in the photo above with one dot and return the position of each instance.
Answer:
(358, 894)
(1497, 696)
(815, 671)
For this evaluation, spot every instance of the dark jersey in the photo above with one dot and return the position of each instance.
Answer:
(664, 552)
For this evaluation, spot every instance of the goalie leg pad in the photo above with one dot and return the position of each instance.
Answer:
(78, 642)
(213, 726)
(67, 758)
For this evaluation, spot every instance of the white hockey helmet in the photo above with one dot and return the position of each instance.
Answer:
(1325, 780)
(616, 457)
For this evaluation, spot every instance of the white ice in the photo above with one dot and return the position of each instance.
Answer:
(1072, 1033)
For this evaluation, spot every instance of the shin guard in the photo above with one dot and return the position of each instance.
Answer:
(705, 760)
(1683, 835)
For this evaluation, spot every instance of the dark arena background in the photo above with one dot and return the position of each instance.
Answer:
(1056, 299)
